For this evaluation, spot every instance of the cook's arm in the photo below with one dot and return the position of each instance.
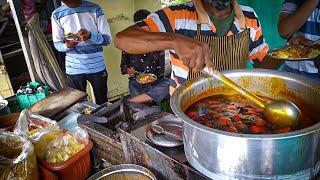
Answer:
(289, 23)
(135, 40)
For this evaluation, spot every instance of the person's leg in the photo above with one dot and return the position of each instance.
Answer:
(137, 92)
(134, 90)
(141, 99)
(77, 82)
(99, 85)
(157, 93)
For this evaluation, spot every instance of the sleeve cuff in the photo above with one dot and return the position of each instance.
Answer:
(65, 47)
(94, 36)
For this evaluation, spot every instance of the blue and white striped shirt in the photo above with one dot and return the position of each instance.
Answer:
(86, 57)
(310, 30)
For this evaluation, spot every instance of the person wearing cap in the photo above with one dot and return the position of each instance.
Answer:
(154, 63)
(299, 23)
(217, 33)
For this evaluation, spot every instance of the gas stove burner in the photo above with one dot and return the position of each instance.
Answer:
(111, 116)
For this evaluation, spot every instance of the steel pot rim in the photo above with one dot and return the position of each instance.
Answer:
(123, 168)
(302, 132)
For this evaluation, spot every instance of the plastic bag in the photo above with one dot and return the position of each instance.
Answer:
(17, 158)
(34, 126)
(81, 135)
(66, 146)
(39, 130)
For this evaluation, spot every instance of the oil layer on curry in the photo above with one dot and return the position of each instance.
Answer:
(235, 113)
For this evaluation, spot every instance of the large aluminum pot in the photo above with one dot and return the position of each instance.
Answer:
(225, 155)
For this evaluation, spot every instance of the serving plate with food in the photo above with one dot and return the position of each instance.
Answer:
(146, 78)
(295, 53)
(71, 36)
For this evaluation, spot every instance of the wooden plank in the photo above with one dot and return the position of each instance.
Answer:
(58, 102)
(105, 144)
(106, 156)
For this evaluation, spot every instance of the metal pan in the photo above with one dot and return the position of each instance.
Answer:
(173, 126)
(124, 172)
(271, 55)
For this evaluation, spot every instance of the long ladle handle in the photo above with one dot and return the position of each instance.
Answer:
(217, 74)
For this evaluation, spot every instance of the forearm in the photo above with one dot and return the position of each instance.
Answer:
(61, 46)
(98, 38)
(194, 54)
(290, 23)
(137, 41)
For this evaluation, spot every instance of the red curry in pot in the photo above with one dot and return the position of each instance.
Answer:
(235, 113)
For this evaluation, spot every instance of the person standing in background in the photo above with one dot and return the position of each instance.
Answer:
(299, 22)
(84, 56)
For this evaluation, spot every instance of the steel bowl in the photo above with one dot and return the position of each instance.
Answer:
(225, 155)
(124, 172)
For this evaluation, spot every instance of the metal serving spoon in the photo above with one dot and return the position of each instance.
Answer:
(159, 130)
(279, 112)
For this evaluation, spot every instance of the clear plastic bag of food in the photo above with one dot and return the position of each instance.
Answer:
(39, 130)
(17, 158)
(66, 146)
(34, 125)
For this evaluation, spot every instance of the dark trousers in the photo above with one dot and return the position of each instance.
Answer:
(97, 80)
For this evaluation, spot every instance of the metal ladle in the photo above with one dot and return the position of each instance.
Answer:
(282, 113)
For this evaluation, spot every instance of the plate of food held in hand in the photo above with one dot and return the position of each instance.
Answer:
(295, 53)
(146, 78)
(71, 37)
